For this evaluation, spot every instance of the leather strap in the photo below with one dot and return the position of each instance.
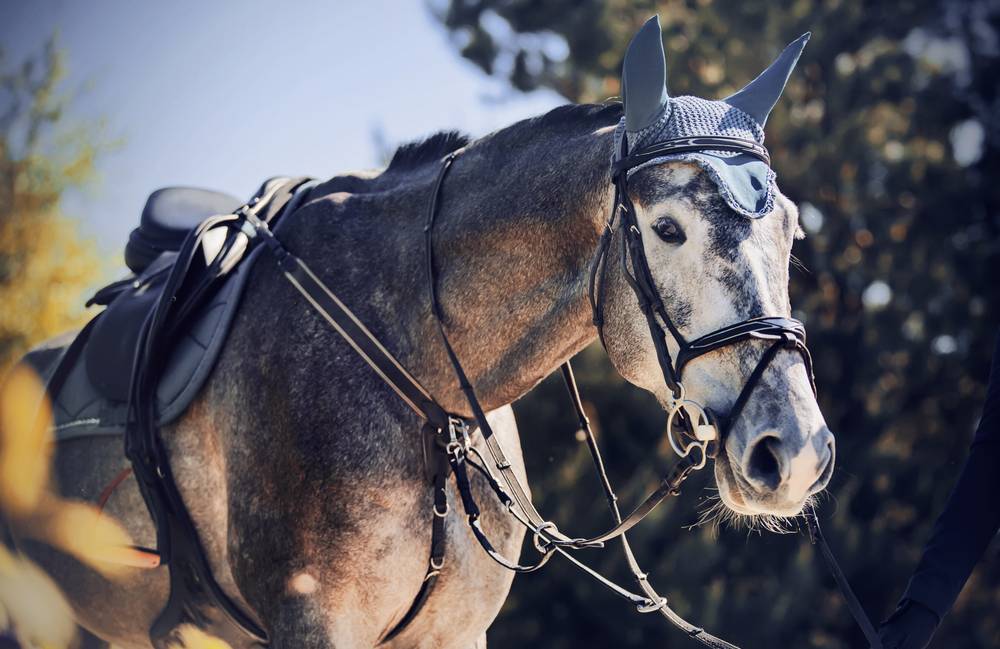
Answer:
(638, 573)
(853, 604)
(352, 330)
(391, 371)
(547, 537)
(694, 144)
(439, 537)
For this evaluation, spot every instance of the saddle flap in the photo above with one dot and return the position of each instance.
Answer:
(111, 350)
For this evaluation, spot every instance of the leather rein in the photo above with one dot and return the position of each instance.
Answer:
(695, 433)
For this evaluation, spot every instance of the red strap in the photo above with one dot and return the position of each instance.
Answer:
(133, 556)
(102, 500)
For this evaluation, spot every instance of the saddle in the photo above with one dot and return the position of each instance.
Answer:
(167, 218)
(95, 368)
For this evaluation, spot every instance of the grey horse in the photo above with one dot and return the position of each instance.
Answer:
(303, 471)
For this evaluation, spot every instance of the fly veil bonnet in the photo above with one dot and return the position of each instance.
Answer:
(741, 170)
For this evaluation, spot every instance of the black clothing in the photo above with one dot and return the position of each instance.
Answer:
(968, 523)
(971, 517)
(910, 627)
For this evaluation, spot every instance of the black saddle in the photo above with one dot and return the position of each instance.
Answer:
(169, 215)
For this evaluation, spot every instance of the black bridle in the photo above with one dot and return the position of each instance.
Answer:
(691, 418)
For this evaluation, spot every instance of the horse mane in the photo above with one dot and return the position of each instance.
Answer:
(430, 149)
(572, 115)
(414, 155)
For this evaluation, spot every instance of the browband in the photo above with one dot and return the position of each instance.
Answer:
(691, 144)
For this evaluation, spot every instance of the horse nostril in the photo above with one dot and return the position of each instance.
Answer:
(763, 469)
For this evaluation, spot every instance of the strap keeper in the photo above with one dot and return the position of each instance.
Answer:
(651, 606)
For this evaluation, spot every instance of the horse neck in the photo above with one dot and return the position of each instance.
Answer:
(519, 221)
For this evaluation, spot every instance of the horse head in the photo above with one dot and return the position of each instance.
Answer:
(717, 237)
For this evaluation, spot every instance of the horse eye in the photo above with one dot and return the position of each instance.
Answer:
(668, 230)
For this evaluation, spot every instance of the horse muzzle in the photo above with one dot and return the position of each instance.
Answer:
(772, 474)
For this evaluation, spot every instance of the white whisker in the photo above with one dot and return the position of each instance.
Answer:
(714, 514)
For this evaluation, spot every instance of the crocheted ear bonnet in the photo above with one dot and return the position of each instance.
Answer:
(652, 116)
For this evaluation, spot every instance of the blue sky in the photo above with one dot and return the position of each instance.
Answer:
(223, 95)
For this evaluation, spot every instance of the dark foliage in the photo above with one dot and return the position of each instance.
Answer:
(889, 139)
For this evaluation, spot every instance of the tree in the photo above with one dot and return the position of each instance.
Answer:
(45, 265)
(889, 139)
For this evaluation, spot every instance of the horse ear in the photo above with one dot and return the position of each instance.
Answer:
(644, 77)
(760, 95)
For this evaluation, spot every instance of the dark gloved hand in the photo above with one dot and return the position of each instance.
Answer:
(909, 627)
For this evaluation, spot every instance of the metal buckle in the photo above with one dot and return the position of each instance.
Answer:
(458, 436)
(246, 226)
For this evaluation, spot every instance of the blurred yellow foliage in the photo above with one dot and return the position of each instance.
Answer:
(25, 442)
(31, 604)
(194, 638)
(48, 267)
(45, 265)
(76, 528)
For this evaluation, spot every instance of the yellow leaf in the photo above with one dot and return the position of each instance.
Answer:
(25, 441)
(33, 605)
(194, 638)
(79, 529)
